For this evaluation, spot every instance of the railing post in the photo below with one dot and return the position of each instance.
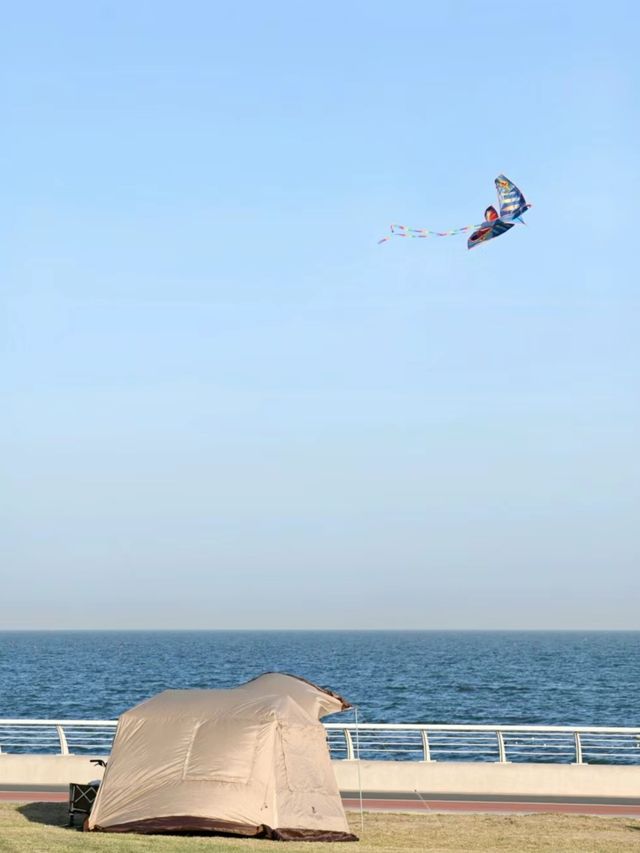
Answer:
(502, 753)
(349, 742)
(426, 751)
(64, 746)
(576, 737)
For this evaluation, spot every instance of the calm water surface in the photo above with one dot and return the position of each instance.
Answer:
(414, 676)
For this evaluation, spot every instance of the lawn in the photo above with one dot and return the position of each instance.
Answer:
(40, 828)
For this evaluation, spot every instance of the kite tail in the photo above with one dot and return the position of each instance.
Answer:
(422, 233)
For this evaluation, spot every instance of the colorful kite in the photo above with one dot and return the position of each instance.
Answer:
(512, 206)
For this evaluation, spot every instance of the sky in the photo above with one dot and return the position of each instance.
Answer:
(224, 405)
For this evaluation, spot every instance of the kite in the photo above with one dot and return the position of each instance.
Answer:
(512, 205)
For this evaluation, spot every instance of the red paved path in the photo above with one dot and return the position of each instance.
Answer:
(35, 796)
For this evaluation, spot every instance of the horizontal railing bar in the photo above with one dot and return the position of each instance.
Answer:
(80, 723)
(467, 739)
(544, 752)
(472, 751)
(385, 750)
(430, 727)
(482, 728)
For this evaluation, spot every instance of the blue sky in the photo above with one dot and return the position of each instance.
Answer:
(224, 405)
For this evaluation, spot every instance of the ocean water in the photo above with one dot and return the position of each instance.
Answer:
(559, 678)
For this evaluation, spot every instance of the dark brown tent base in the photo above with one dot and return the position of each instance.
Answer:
(184, 825)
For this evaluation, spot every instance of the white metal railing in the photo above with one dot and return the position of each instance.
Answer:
(390, 741)
(62, 736)
(502, 744)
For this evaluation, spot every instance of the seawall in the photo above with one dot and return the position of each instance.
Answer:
(388, 779)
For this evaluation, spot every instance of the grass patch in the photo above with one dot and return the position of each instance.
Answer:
(41, 828)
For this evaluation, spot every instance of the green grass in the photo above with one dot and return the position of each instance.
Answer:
(40, 828)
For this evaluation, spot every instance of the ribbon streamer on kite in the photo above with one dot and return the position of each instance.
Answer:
(405, 231)
(512, 206)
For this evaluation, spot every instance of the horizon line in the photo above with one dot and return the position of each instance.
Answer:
(584, 630)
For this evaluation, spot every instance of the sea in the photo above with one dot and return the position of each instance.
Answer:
(494, 677)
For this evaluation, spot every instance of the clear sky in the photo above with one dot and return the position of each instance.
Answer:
(224, 405)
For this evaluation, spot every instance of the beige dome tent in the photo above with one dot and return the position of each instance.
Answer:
(249, 761)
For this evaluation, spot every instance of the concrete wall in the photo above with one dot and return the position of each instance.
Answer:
(555, 780)
(47, 769)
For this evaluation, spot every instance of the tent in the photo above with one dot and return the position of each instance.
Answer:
(250, 761)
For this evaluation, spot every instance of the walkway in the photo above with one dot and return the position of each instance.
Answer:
(407, 802)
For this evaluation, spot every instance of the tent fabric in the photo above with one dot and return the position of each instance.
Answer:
(251, 761)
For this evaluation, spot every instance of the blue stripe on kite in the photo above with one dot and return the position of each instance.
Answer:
(501, 227)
